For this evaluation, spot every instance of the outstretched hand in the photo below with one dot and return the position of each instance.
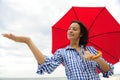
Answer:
(13, 37)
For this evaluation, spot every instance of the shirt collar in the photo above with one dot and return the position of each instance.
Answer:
(68, 47)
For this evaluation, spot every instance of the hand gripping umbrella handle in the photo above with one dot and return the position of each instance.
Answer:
(96, 56)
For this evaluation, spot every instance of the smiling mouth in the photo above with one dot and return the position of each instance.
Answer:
(70, 35)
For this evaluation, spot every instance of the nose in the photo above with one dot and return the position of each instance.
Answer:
(70, 30)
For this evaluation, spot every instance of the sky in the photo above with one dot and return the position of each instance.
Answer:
(34, 18)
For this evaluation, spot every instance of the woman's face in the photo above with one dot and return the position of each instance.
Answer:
(73, 32)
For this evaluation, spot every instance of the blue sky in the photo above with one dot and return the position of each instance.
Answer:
(34, 18)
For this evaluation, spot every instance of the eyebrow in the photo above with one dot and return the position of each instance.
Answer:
(74, 27)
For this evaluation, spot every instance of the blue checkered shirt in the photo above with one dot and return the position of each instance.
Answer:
(76, 67)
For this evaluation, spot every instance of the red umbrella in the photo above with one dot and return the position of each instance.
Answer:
(104, 30)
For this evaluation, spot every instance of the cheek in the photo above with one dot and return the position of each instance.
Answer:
(67, 34)
(77, 33)
(67, 31)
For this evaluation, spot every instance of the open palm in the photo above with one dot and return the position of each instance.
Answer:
(13, 37)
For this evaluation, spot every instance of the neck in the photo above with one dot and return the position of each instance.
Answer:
(74, 44)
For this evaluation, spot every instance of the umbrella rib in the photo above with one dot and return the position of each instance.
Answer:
(105, 51)
(95, 19)
(59, 28)
(75, 13)
(104, 33)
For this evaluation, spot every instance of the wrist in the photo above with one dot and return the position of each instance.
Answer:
(98, 59)
(28, 40)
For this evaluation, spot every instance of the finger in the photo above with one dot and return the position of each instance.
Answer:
(6, 35)
(87, 53)
(9, 36)
(96, 56)
(87, 59)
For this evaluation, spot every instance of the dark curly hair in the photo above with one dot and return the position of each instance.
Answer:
(84, 38)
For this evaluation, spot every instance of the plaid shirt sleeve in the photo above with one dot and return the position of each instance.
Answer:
(50, 64)
(110, 72)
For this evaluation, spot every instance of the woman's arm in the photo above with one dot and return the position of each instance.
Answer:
(103, 65)
(36, 52)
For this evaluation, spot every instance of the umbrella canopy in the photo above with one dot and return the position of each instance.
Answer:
(104, 30)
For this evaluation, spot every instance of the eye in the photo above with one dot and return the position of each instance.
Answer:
(75, 29)
(69, 28)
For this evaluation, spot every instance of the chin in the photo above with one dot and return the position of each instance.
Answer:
(70, 38)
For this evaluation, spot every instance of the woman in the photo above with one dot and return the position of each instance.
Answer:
(76, 57)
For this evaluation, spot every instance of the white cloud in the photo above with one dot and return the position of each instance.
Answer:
(117, 68)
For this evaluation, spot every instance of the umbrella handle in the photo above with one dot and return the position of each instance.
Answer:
(96, 56)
